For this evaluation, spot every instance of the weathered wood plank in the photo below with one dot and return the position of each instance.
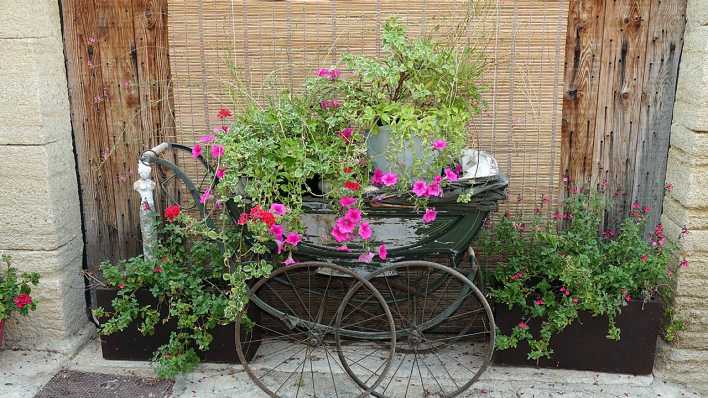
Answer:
(582, 69)
(85, 81)
(119, 90)
(665, 41)
(619, 99)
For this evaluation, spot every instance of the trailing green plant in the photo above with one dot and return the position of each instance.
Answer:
(553, 269)
(15, 290)
(195, 285)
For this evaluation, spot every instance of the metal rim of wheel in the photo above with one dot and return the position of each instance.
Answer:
(300, 330)
(445, 356)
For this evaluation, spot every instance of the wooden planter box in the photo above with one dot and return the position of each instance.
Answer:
(130, 345)
(583, 345)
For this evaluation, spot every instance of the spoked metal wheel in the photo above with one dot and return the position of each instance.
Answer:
(445, 337)
(299, 355)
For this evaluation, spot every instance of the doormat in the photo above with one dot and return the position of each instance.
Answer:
(72, 384)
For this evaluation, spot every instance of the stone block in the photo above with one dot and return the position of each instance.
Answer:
(34, 104)
(695, 243)
(696, 14)
(689, 179)
(46, 262)
(23, 19)
(693, 219)
(40, 199)
(691, 87)
(693, 143)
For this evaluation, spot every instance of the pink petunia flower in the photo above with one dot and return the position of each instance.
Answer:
(377, 177)
(293, 239)
(539, 302)
(278, 209)
(220, 173)
(196, 151)
(353, 214)
(277, 231)
(389, 179)
(439, 145)
(451, 175)
(345, 225)
(458, 169)
(339, 235)
(430, 215)
(289, 260)
(205, 196)
(346, 134)
(420, 188)
(217, 151)
(207, 139)
(347, 201)
(365, 231)
(383, 253)
(434, 189)
(366, 257)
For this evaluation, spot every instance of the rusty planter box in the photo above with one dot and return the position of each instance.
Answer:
(130, 345)
(584, 346)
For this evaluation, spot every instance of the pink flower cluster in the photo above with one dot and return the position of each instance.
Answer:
(565, 291)
(331, 74)
(380, 178)
(352, 222)
(330, 104)
(422, 189)
(659, 237)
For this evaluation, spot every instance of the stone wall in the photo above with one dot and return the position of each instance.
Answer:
(40, 223)
(686, 360)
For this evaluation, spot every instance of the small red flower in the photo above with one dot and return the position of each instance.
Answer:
(121, 286)
(348, 170)
(23, 300)
(267, 218)
(644, 258)
(352, 185)
(575, 300)
(157, 269)
(565, 291)
(523, 325)
(172, 212)
(669, 187)
(517, 276)
(224, 112)
(627, 298)
(243, 219)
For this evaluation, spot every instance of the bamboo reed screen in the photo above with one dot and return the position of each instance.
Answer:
(275, 44)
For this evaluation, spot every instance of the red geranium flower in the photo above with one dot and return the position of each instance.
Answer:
(23, 300)
(352, 185)
(224, 112)
(172, 212)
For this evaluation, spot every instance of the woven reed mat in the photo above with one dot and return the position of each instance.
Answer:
(72, 384)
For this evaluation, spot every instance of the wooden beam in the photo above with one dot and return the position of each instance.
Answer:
(582, 73)
(663, 52)
(619, 99)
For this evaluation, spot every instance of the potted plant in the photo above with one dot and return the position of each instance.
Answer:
(15, 290)
(177, 306)
(572, 296)
(412, 105)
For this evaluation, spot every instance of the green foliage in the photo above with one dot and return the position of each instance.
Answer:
(13, 285)
(552, 269)
(186, 277)
(420, 88)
